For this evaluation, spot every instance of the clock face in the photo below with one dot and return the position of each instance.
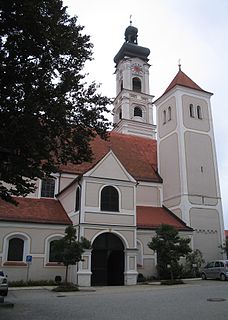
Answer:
(136, 68)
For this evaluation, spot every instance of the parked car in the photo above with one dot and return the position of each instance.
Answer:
(3, 284)
(217, 269)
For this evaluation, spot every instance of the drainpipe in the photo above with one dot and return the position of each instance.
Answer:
(60, 174)
(79, 220)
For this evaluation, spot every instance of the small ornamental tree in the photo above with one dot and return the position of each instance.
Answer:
(224, 247)
(170, 247)
(68, 250)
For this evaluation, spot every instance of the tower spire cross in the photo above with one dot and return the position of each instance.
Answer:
(130, 19)
(179, 64)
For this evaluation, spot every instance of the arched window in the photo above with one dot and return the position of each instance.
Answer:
(48, 188)
(15, 249)
(49, 258)
(77, 199)
(137, 112)
(136, 84)
(51, 251)
(199, 112)
(191, 111)
(164, 117)
(169, 113)
(109, 199)
(120, 114)
(121, 85)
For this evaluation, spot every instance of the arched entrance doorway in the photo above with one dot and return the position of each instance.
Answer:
(107, 261)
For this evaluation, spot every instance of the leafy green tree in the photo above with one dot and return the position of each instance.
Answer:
(224, 247)
(170, 247)
(48, 114)
(194, 261)
(68, 250)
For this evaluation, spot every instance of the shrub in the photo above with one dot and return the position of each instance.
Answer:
(32, 283)
(66, 287)
(141, 278)
(172, 282)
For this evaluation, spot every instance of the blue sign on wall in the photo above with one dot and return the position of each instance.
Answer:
(29, 259)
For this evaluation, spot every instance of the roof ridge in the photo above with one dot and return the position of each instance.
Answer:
(183, 80)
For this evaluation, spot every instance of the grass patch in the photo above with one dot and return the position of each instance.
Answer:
(66, 287)
(32, 283)
(171, 282)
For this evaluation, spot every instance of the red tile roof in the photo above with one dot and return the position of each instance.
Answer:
(153, 217)
(137, 154)
(34, 210)
(183, 80)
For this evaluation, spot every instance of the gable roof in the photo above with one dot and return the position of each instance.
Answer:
(138, 155)
(181, 79)
(117, 169)
(153, 217)
(34, 211)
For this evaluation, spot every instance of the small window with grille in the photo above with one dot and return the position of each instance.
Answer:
(48, 188)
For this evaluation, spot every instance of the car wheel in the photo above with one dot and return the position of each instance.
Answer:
(203, 276)
(222, 277)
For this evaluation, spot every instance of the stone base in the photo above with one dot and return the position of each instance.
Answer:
(84, 279)
(130, 279)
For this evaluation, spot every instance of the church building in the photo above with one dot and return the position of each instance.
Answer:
(142, 176)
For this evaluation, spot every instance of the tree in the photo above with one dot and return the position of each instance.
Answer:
(170, 247)
(48, 114)
(68, 250)
(224, 247)
(194, 261)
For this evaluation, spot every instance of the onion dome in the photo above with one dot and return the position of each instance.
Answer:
(130, 48)
(131, 34)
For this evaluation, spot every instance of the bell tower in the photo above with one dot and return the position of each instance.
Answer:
(187, 162)
(133, 110)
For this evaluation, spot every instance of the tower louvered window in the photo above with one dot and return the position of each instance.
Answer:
(137, 112)
(169, 113)
(136, 84)
(191, 111)
(199, 112)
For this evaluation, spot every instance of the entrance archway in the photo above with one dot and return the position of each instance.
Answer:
(107, 263)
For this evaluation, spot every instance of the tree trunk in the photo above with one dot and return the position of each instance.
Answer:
(66, 274)
(171, 273)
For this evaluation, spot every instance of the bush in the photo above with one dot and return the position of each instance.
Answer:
(141, 278)
(32, 283)
(58, 279)
(193, 259)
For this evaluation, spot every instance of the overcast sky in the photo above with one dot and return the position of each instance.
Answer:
(196, 31)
